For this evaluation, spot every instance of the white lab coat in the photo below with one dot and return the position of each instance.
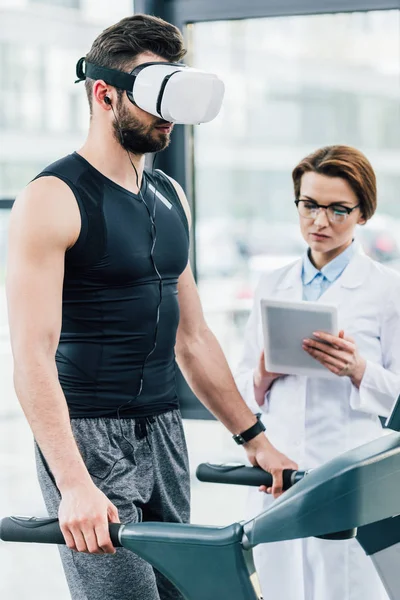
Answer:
(312, 420)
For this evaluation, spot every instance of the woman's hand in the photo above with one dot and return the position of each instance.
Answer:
(339, 354)
(263, 380)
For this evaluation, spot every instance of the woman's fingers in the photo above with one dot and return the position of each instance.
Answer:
(338, 366)
(327, 349)
(262, 368)
(262, 372)
(339, 363)
(345, 343)
(336, 353)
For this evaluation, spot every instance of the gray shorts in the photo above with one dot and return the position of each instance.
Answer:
(149, 482)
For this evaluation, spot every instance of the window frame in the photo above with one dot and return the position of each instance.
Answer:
(178, 159)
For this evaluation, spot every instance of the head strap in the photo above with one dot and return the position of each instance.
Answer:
(118, 79)
(80, 73)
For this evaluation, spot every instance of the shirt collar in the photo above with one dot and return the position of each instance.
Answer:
(330, 271)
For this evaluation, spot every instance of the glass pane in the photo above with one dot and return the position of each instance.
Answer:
(63, 3)
(293, 84)
(44, 114)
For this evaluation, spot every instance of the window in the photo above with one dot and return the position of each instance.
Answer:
(59, 3)
(293, 84)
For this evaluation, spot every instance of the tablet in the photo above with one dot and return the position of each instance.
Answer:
(285, 325)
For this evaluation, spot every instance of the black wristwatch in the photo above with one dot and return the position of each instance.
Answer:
(251, 432)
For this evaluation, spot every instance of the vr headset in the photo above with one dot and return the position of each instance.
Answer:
(172, 91)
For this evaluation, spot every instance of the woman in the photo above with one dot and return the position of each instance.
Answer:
(314, 419)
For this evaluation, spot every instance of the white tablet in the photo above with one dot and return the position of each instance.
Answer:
(285, 325)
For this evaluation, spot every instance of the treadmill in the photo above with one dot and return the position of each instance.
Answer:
(356, 494)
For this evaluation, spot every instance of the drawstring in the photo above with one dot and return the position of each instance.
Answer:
(144, 426)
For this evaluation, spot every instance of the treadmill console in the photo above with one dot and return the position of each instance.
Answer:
(393, 420)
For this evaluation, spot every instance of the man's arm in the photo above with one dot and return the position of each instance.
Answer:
(205, 368)
(45, 222)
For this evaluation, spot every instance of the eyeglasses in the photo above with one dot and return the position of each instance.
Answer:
(336, 213)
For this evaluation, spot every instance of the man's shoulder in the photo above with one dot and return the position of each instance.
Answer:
(46, 212)
(60, 178)
(50, 190)
(68, 168)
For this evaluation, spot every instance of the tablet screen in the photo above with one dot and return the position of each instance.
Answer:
(285, 326)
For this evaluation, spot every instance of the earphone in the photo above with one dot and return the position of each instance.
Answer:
(152, 216)
(141, 368)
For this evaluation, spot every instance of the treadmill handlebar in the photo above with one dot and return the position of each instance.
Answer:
(42, 530)
(238, 474)
(47, 530)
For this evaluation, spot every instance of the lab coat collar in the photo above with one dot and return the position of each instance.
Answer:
(291, 276)
(352, 277)
(332, 270)
(356, 271)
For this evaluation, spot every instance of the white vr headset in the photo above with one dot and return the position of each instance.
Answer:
(172, 91)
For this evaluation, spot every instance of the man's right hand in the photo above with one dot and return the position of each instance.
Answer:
(84, 515)
(263, 380)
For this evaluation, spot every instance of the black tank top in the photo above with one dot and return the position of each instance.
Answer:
(111, 292)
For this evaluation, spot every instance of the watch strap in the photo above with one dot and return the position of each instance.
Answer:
(251, 432)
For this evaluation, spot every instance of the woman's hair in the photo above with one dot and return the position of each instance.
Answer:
(345, 162)
(118, 46)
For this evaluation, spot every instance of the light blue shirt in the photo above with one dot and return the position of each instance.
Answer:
(315, 282)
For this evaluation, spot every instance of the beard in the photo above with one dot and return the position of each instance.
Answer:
(136, 137)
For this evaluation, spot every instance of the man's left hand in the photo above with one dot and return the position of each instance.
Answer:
(261, 453)
(339, 354)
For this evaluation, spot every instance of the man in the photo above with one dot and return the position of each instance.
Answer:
(100, 293)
